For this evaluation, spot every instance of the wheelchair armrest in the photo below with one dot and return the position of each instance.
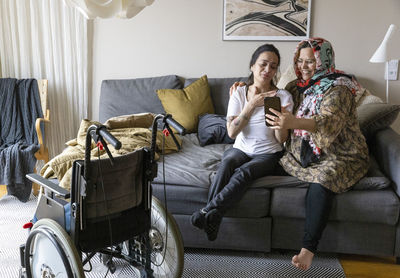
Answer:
(48, 184)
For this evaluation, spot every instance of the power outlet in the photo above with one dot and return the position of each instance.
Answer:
(393, 68)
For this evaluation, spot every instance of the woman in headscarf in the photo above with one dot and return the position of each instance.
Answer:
(326, 147)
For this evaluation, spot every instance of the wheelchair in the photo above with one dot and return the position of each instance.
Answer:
(111, 212)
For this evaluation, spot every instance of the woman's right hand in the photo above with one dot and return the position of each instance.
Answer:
(235, 85)
(256, 99)
(280, 120)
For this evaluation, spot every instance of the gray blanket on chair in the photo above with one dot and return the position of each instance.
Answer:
(20, 107)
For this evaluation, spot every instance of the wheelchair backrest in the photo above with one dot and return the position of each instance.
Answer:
(103, 218)
(110, 189)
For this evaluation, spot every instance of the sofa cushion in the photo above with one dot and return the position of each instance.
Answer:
(219, 90)
(193, 165)
(131, 96)
(181, 199)
(187, 104)
(235, 234)
(196, 166)
(186, 199)
(376, 116)
(366, 97)
(278, 181)
(288, 76)
(370, 206)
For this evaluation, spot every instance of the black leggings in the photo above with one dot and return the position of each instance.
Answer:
(318, 207)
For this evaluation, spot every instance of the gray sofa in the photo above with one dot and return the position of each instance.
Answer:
(364, 220)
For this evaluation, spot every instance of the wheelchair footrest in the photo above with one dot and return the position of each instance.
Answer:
(22, 269)
(111, 266)
(22, 254)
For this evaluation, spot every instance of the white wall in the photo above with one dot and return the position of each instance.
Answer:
(184, 37)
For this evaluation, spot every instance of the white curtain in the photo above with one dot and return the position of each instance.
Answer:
(46, 39)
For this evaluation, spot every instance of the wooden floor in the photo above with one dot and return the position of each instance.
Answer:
(354, 266)
(3, 190)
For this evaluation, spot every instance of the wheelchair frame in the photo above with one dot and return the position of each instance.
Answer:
(134, 239)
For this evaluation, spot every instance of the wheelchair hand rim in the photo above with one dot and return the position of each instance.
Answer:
(48, 235)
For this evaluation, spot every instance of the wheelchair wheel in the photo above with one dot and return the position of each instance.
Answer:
(50, 252)
(166, 250)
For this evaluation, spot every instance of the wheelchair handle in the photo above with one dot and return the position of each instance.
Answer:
(96, 133)
(168, 120)
(109, 137)
(177, 126)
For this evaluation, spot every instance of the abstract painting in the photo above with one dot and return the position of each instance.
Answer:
(266, 19)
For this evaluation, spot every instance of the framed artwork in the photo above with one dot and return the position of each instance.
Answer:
(266, 20)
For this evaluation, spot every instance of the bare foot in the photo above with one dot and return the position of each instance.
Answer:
(303, 260)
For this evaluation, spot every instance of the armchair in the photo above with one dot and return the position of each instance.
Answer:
(17, 125)
(43, 152)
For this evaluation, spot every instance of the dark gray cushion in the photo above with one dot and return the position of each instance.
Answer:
(193, 165)
(234, 234)
(370, 206)
(376, 116)
(186, 199)
(278, 181)
(131, 96)
(212, 130)
(219, 90)
(374, 179)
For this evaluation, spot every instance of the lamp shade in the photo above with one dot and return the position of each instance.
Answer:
(381, 55)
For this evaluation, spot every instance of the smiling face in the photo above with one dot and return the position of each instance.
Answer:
(265, 67)
(306, 63)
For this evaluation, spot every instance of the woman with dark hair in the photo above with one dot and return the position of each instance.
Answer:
(326, 147)
(257, 148)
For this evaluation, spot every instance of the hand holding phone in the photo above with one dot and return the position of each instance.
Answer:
(271, 102)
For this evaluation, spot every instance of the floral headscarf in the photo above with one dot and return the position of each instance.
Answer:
(325, 77)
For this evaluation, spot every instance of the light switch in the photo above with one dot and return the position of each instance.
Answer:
(393, 68)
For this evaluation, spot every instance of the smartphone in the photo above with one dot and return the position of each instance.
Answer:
(271, 102)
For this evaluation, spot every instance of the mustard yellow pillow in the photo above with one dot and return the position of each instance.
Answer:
(187, 104)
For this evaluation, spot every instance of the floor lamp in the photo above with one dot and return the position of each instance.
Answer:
(381, 55)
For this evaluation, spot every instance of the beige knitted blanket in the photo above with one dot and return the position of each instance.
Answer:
(133, 132)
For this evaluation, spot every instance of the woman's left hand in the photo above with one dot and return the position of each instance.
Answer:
(281, 120)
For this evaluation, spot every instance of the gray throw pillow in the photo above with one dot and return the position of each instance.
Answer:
(212, 130)
(374, 179)
(375, 116)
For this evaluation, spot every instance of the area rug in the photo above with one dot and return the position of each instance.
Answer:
(199, 263)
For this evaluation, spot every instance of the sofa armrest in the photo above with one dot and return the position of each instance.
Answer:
(386, 149)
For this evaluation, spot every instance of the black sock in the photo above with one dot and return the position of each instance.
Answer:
(213, 220)
(198, 219)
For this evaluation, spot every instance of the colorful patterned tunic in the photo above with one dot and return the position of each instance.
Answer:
(344, 159)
